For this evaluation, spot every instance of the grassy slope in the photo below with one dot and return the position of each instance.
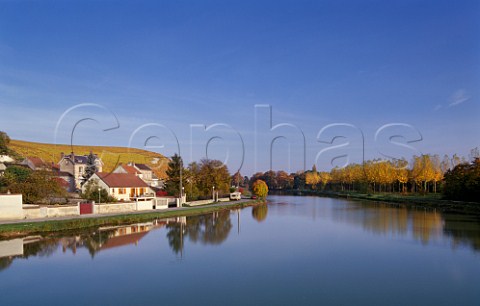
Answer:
(111, 156)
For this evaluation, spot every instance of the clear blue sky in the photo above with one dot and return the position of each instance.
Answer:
(177, 63)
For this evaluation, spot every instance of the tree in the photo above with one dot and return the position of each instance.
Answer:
(260, 189)
(4, 141)
(312, 178)
(213, 173)
(463, 182)
(38, 186)
(92, 191)
(174, 173)
(237, 179)
(90, 168)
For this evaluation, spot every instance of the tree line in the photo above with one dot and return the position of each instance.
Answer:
(454, 176)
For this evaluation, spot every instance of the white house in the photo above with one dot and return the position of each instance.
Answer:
(122, 186)
(75, 165)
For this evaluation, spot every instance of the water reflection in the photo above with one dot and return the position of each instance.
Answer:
(423, 225)
(259, 212)
(212, 228)
(206, 229)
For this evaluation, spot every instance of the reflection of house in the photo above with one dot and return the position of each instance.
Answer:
(35, 163)
(125, 235)
(141, 170)
(75, 165)
(122, 186)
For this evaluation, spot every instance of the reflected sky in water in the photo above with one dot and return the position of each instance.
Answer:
(295, 250)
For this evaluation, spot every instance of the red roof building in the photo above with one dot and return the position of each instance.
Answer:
(122, 186)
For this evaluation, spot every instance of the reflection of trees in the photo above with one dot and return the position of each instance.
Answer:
(463, 230)
(42, 248)
(384, 218)
(425, 223)
(5, 262)
(259, 212)
(174, 236)
(211, 228)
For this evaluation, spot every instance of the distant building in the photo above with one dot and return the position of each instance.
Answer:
(75, 165)
(122, 186)
(35, 163)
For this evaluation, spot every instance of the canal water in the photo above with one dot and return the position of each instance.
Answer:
(293, 251)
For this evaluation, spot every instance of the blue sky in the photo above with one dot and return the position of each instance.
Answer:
(177, 63)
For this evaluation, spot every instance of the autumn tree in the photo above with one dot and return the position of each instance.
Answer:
(35, 186)
(213, 173)
(312, 178)
(237, 179)
(92, 192)
(260, 189)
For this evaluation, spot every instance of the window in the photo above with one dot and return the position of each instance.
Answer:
(122, 190)
(80, 169)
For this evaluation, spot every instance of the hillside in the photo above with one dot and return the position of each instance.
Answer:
(111, 156)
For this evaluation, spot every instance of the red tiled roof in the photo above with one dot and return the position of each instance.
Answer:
(121, 180)
(37, 162)
(130, 169)
(62, 182)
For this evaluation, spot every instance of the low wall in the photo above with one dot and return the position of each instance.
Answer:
(161, 203)
(205, 202)
(11, 206)
(36, 211)
(145, 205)
(32, 212)
(63, 211)
(114, 208)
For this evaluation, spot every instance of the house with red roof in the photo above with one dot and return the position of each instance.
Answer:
(122, 186)
(35, 163)
(142, 171)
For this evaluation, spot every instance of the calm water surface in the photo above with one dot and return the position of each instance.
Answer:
(295, 250)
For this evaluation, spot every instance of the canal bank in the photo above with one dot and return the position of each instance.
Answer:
(19, 228)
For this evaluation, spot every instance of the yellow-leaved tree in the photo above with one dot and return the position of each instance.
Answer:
(260, 189)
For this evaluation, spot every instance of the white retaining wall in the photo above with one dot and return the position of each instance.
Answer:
(11, 206)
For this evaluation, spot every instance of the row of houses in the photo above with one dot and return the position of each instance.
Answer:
(125, 182)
